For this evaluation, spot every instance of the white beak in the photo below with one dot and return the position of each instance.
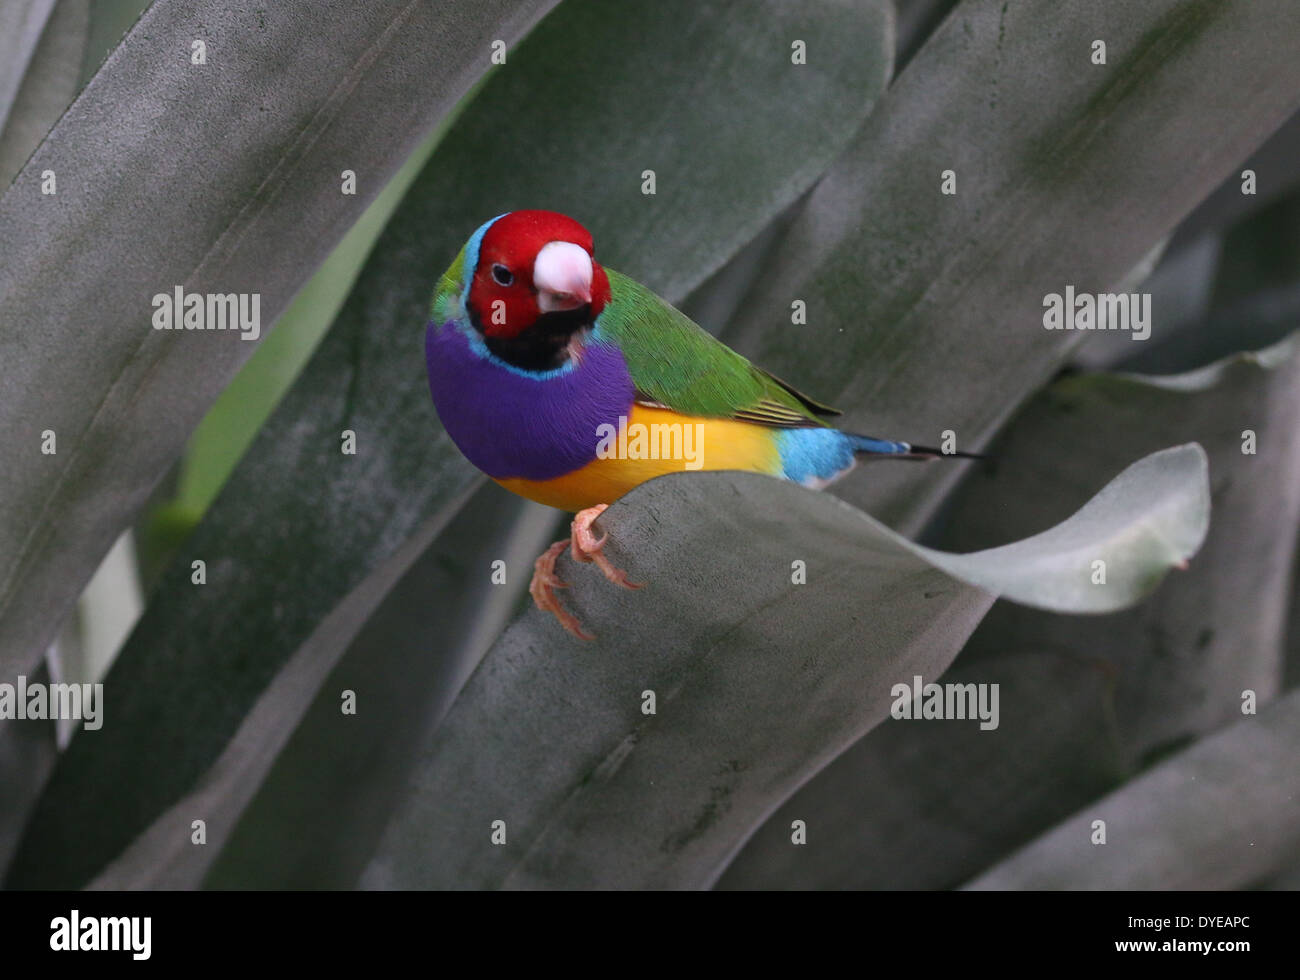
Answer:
(562, 275)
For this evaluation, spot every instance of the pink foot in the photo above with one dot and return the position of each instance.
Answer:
(585, 547)
(542, 589)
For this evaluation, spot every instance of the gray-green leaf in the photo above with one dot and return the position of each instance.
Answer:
(1219, 815)
(129, 221)
(757, 682)
(925, 309)
(706, 91)
(1148, 678)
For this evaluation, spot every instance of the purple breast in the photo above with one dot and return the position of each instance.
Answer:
(512, 423)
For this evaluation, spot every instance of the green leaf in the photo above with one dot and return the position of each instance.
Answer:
(702, 94)
(1216, 816)
(924, 309)
(129, 221)
(1160, 674)
(758, 683)
(1260, 321)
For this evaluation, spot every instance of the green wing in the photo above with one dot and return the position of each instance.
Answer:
(677, 364)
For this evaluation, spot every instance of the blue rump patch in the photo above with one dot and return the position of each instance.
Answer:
(813, 453)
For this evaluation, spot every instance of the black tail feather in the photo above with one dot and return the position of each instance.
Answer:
(926, 452)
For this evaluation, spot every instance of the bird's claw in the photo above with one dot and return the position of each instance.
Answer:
(542, 589)
(585, 546)
(585, 543)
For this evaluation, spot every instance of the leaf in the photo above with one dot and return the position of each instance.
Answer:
(110, 20)
(1291, 674)
(243, 408)
(1180, 288)
(1259, 321)
(917, 20)
(405, 668)
(28, 750)
(1275, 173)
(1182, 660)
(1218, 815)
(1260, 253)
(1226, 292)
(1149, 679)
(129, 222)
(106, 613)
(21, 25)
(299, 527)
(925, 310)
(919, 804)
(758, 682)
(42, 44)
(163, 855)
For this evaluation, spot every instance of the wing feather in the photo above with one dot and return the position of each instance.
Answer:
(676, 364)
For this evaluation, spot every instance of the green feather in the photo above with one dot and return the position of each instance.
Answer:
(672, 360)
(676, 363)
(446, 295)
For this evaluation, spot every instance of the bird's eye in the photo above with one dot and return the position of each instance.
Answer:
(502, 275)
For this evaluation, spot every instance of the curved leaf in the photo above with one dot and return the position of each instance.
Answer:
(42, 44)
(367, 82)
(919, 805)
(1149, 678)
(758, 682)
(300, 527)
(1275, 172)
(22, 23)
(924, 310)
(1219, 815)
(1182, 660)
(405, 669)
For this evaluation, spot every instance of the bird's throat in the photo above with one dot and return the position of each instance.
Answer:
(545, 345)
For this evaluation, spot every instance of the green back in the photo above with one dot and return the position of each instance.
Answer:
(676, 363)
(673, 361)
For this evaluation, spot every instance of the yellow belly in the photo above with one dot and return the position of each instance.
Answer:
(710, 444)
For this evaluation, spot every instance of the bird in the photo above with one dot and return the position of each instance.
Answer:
(569, 384)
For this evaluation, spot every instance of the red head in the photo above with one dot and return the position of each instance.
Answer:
(531, 263)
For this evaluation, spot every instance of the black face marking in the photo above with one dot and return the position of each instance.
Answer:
(502, 275)
(544, 346)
